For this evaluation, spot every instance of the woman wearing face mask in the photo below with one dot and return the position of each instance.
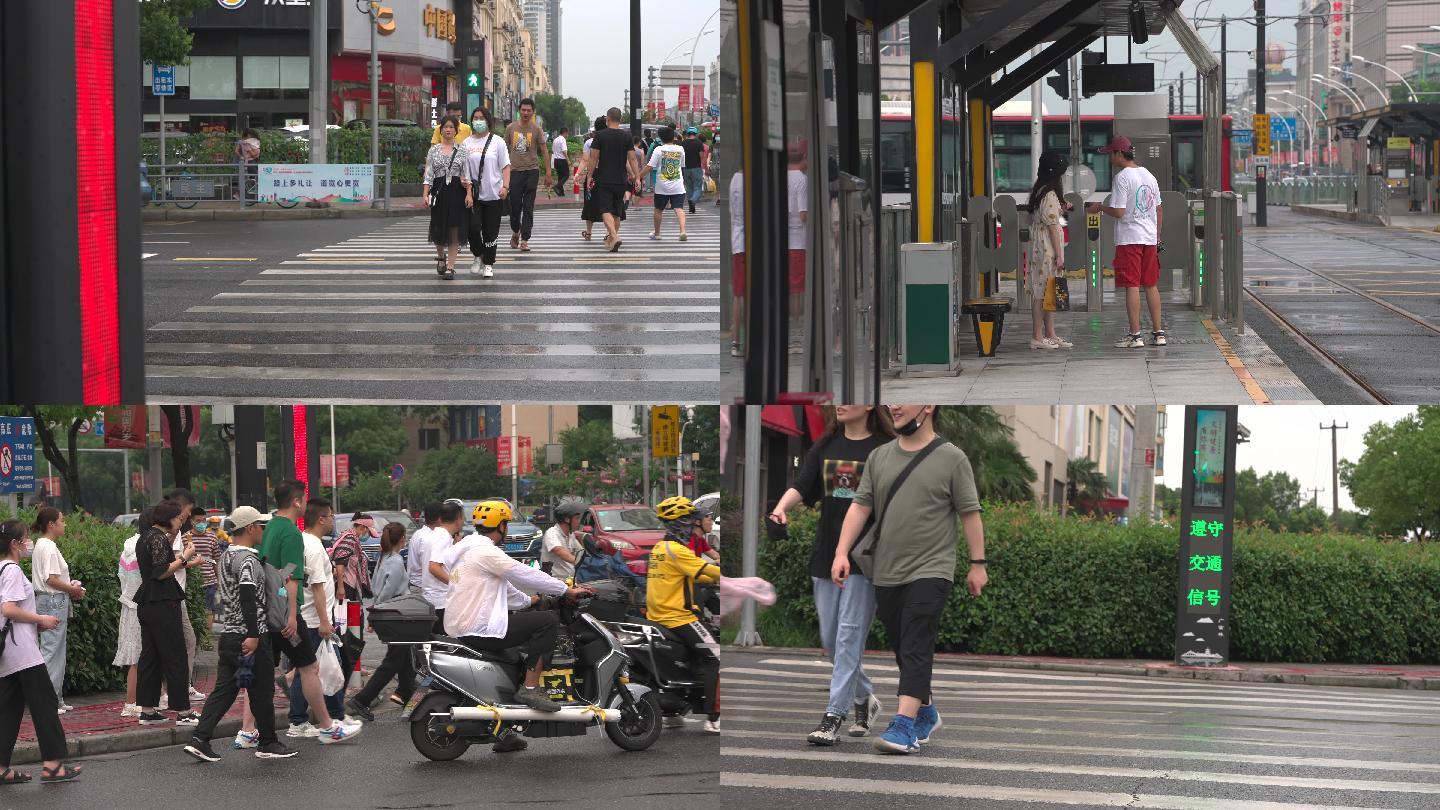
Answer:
(830, 475)
(24, 683)
(54, 590)
(487, 185)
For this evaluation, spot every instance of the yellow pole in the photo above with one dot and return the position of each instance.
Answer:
(923, 114)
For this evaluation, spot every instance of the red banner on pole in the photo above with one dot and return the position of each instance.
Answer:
(502, 455)
(342, 469)
(683, 103)
(125, 427)
(187, 412)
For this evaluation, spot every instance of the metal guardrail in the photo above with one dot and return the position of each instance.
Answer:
(1378, 192)
(186, 184)
(1318, 190)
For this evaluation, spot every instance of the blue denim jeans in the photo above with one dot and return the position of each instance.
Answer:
(52, 642)
(299, 706)
(845, 618)
(694, 184)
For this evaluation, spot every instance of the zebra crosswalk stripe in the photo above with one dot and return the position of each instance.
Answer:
(567, 319)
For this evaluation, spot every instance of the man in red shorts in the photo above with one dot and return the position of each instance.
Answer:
(1135, 201)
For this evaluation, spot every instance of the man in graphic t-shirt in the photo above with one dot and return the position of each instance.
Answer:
(1135, 201)
(529, 153)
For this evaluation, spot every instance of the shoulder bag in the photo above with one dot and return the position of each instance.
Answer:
(435, 187)
(863, 552)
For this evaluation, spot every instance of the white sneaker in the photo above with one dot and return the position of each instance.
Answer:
(196, 695)
(1061, 342)
(489, 272)
(1130, 342)
(244, 740)
(130, 710)
(339, 732)
(62, 709)
(712, 726)
(475, 267)
(302, 730)
(675, 721)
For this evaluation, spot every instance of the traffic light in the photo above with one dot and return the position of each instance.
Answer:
(652, 77)
(474, 81)
(1060, 82)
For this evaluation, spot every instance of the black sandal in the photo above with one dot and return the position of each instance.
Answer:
(449, 274)
(10, 776)
(440, 267)
(64, 773)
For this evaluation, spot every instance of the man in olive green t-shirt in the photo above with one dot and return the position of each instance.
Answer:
(529, 153)
(915, 557)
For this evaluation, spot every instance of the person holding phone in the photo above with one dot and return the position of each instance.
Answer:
(54, 591)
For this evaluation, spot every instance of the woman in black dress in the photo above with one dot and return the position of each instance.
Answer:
(158, 603)
(445, 194)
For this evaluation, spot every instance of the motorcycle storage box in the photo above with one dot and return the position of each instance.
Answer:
(614, 600)
(404, 618)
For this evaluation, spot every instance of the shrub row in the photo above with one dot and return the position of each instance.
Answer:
(92, 549)
(1085, 588)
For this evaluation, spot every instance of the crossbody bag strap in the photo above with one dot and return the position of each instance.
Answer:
(900, 479)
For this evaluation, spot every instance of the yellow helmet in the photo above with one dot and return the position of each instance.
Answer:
(674, 508)
(490, 514)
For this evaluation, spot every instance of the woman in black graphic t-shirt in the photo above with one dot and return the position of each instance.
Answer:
(830, 475)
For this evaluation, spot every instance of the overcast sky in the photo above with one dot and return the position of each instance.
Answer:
(1288, 438)
(1171, 61)
(595, 45)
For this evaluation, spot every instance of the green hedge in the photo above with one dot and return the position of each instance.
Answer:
(92, 550)
(1085, 588)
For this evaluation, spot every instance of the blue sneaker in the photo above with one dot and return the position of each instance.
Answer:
(899, 738)
(927, 722)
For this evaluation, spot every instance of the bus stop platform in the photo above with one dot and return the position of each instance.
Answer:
(1204, 360)
(1417, 221)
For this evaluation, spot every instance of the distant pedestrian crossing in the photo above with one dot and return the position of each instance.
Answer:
(1021, 738)
(368, 319)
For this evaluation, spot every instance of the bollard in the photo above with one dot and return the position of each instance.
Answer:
(1197, 252)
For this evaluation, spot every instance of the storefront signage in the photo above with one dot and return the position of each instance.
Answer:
(1339, 31)
(17, 454)
(440, 23)
(274, 14)
(1397, 143)
(326, 182)
(1207, 515)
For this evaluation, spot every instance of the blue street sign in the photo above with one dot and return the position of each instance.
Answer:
(714, 110)
(1240, 136)
(162, 80)
(397, 472)
(17, 454)
(1282, 129)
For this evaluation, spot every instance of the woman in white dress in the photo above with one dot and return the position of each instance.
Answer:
(127, 649)
(1047, 248)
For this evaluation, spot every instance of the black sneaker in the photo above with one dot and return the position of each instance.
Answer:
(275, 750)
(866, 709)
(152, 718)
(353, 708)
(187, 719)
(827, 731)
(201, 750)
(509, 742)
(535, 698)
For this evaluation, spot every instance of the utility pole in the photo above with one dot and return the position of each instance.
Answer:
(645, 454)
(1315, 495)
(514, 458)
(1182, 92)
(319, 93)
(1223, 86)
(1335, 468)
(1260, 110)
(632, 102)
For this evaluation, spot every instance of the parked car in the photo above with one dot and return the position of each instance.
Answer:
(522, 541)
(632, 528)
(364, 123)
(129, 520)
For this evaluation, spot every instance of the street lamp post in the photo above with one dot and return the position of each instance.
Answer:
(1309, 127)
(1319, 116)
(1390, 70)
(690, 74)
(680, 456)
(371, 10)
(1359, 105)
(1381, 93)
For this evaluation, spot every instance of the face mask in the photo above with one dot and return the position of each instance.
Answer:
(481, 127)
(913, 425)
(26, 548)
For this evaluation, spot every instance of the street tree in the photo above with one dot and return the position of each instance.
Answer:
(1087, 484)
(458, 471)
(561, 111)
(590, 441)
(163, 40)
(1397, 477)
(373, 436)
(1002, 472)
(369, 490)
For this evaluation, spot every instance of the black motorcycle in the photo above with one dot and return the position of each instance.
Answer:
(658, 659)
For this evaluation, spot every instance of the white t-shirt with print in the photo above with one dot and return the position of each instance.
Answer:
(668, 160)
(1135, 190)
(318, 568)
(495, 157)
(737, 213)
(44, 561)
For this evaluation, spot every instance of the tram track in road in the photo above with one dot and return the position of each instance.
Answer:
(1340, 354)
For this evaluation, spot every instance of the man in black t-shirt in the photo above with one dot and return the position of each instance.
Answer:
(694, 166)
(614, 169)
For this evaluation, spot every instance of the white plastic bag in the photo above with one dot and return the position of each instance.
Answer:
(332, 680)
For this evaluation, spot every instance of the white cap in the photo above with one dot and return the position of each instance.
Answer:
(244, 516)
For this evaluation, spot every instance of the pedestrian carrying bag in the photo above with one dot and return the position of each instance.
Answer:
(445, 179)
(9, 631)
(1057, 294)
(332, 678)
(864, 550)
